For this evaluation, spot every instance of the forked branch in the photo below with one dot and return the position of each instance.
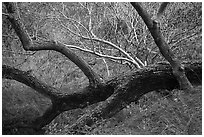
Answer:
(152, 25)
(30, 45)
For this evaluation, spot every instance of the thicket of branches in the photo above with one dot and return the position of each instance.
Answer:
(101, 40)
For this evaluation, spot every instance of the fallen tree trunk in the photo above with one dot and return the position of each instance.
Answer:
(131, 87)
(114, 95)
(178, 69)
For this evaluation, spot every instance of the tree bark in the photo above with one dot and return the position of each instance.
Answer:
(131, 87)
(178, 69)
(115, 94)
(29, 45)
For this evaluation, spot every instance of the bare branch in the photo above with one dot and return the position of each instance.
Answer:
(106, 65)
(178, 69)
(98, 54)
(138, 63)
(28, 79)
(88, 32)
(29, 45)
(110, 44)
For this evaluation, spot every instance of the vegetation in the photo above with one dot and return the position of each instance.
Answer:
(94, 68)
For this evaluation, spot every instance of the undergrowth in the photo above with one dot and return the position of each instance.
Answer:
(173, 113)
(156, 113)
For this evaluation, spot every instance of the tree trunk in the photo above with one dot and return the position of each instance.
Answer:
(115, 94)
(178, 69)
(131, 87)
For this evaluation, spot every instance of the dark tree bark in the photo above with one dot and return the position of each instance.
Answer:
(113, 95)
(30, 45)
(162, 9)
(154, 29)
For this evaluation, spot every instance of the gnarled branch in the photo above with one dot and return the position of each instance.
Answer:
(30, 45)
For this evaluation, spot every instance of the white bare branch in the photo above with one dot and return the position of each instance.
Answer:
(98, 54)
(137, 62)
